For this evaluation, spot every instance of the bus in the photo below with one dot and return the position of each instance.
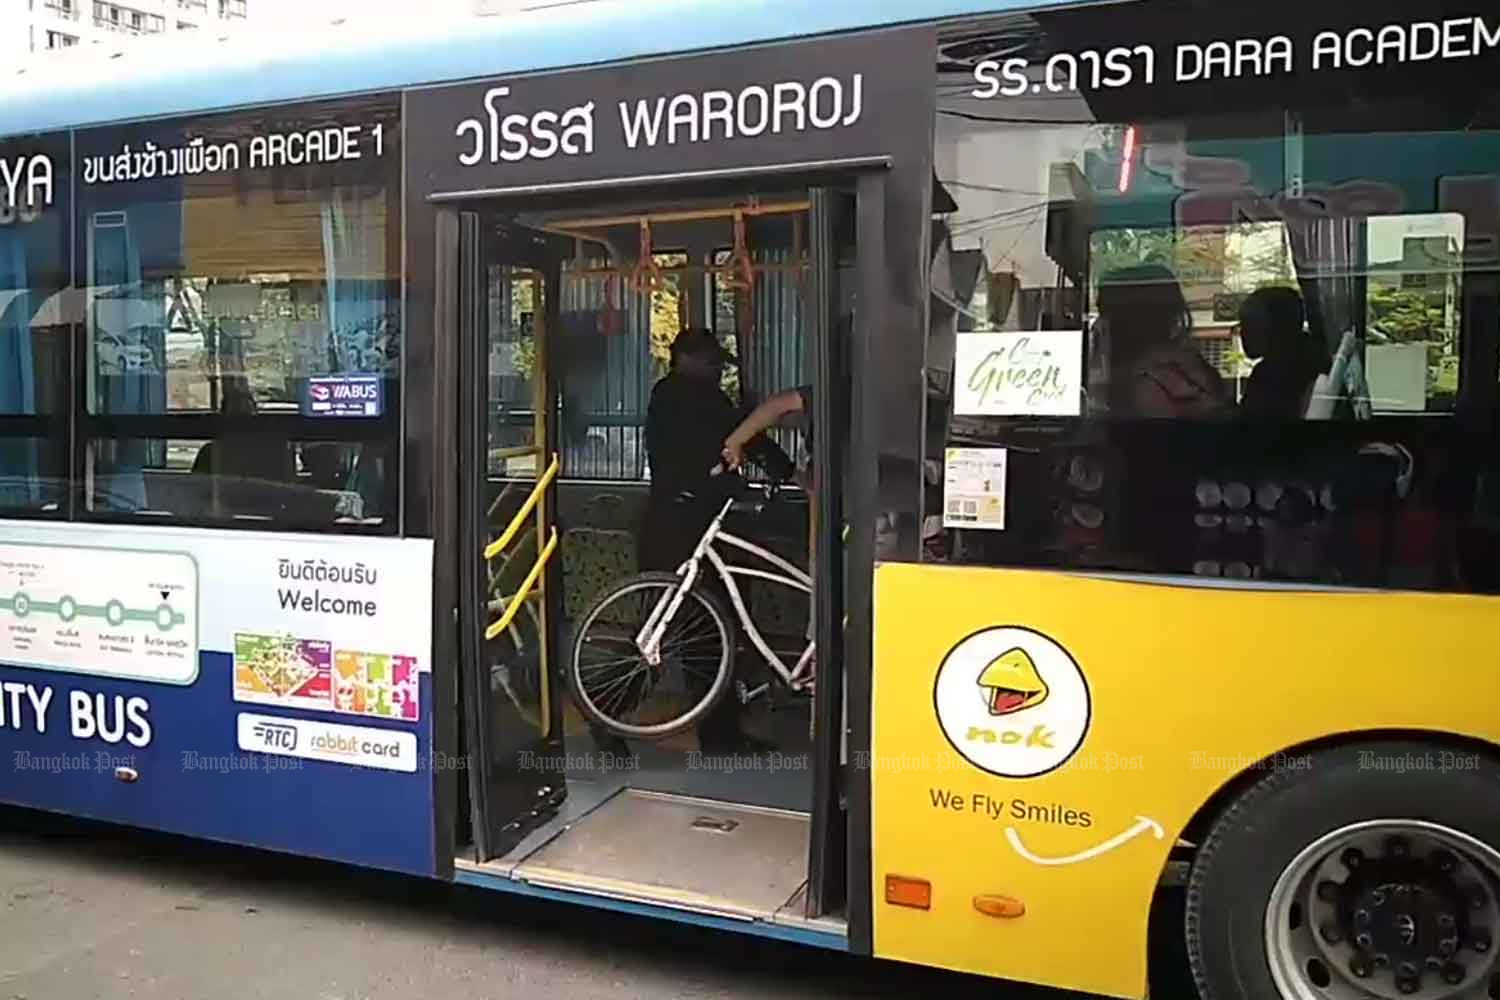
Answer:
(1149, 525)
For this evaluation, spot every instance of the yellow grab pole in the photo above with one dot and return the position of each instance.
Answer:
(526, 585)
(498, 546)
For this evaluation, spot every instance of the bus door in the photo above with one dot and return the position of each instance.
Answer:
(508, 468)
(566, 312)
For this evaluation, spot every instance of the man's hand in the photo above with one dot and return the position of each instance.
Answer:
(733, 455)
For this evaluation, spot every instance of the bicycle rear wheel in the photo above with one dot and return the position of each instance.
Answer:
(617, 688)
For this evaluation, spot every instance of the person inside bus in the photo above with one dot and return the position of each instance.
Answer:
(687, 421)
(1155, 369)
(1156, 372)
(250, 467)
(1273, 329)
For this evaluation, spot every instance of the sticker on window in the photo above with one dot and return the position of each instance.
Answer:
(1027, 374)
(974, 489)
(344, 396)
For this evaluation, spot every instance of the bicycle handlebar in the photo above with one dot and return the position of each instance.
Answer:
(769, 491)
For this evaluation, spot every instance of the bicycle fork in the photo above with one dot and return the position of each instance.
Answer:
(648, 639)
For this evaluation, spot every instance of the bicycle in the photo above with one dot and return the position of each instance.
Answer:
(679, 631)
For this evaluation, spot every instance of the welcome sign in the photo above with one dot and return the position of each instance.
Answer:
(1032, 373)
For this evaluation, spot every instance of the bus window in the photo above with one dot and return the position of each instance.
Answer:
(1231, 333)
(243, 294)
(34, 348)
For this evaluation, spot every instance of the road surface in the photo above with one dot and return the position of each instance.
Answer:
(94, 912)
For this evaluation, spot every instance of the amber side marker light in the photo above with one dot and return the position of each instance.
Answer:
(913, 892)
(1003, 907)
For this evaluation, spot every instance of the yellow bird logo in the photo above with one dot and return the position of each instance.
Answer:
(1011, 683)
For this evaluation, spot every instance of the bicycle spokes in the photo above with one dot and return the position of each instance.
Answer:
(625, 684)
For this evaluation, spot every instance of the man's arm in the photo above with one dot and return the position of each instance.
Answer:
(761, 419)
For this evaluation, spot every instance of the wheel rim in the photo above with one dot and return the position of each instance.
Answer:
(614, 680)
(1386, 910)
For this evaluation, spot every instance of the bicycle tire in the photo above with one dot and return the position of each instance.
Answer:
(721, 618)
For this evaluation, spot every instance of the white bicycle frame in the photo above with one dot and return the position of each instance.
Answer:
(648, 640)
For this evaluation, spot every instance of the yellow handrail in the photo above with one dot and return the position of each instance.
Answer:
(526, 585)
(498, 546)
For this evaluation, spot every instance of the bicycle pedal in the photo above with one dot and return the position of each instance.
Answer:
(748, 694)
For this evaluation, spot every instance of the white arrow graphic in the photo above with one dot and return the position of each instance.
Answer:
(1142, 824)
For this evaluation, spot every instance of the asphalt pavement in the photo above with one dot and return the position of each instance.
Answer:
(92, 911)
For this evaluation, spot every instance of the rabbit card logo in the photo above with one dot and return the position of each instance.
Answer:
(1012, 702)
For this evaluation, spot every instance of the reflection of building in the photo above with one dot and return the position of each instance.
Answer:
(43, 25)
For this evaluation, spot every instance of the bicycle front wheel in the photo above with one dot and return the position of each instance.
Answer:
(618, 688)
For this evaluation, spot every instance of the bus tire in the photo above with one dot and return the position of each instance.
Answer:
(1292, 888)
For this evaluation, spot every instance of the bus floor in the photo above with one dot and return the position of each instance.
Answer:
(665, 824)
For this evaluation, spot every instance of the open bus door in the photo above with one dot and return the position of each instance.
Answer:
(508, 468)
(780, 840)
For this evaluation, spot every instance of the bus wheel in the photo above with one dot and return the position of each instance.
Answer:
(1353, 874)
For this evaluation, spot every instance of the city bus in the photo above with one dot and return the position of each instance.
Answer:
(1148, 525)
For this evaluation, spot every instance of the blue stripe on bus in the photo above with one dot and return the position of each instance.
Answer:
(338, 812)
(146, 82)
(757, 928)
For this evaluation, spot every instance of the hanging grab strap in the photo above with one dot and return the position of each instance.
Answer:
(647, 277)
(739, 272)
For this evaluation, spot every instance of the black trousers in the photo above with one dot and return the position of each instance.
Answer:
(670, 531)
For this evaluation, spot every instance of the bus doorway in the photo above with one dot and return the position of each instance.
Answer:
(642, 705)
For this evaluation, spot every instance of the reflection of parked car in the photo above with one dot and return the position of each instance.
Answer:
(115, 357)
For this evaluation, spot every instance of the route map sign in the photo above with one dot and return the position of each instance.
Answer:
(107, 612)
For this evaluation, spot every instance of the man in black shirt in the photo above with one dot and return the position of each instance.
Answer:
(686, 425)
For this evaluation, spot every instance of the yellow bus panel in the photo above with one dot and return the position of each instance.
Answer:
(1041, 740)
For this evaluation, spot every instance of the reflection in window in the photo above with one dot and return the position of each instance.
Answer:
(247, 478)
(517, 314)
(34, 350)
(249, 301)
(1219, 330)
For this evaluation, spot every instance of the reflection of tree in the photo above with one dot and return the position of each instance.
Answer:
(1406, 316)
(523, 302)
(667, 308)
(1246, 255)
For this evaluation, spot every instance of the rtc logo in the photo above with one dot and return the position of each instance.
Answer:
(319, 392)
(1012, 702)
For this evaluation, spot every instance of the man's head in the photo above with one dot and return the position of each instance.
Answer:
(696, 352)
(1271, 321)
